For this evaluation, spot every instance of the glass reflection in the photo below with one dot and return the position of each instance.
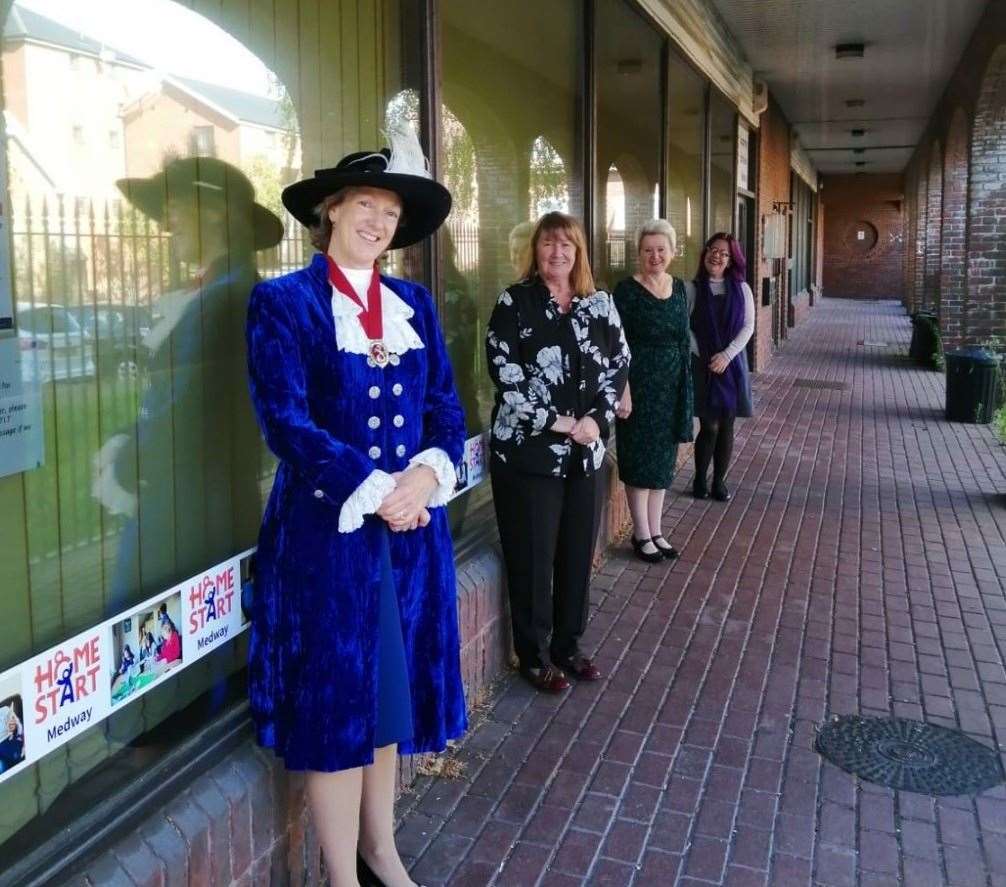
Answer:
(629, 121)
(510, 152)
(685, 136)
(144, 205)
(722, 140)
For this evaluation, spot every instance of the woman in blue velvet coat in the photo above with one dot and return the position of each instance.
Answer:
(354, 640)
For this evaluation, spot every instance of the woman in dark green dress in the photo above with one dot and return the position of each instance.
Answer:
(655, 413)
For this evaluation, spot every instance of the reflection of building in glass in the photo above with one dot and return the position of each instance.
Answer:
(64, 91)
(183, 117)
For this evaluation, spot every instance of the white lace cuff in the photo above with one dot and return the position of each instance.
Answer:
(443, 468)
(364, 500)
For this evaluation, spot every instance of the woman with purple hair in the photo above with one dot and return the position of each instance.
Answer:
(721, 306)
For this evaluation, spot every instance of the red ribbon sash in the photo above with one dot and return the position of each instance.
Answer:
(371, 318)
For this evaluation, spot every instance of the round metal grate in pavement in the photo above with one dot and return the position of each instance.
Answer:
(910, 755)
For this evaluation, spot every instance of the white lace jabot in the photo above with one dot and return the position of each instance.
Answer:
(399, 336)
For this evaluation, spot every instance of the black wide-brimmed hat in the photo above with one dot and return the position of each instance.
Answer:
(207, 181)
(403, 170)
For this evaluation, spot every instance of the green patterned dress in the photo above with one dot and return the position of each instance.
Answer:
(660, 382)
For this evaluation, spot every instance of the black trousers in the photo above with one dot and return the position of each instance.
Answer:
(547, 527)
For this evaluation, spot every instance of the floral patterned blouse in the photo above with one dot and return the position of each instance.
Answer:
(547, 364)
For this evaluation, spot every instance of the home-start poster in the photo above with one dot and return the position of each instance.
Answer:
(57, 695)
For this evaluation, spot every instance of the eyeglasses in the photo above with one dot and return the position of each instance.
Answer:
(718, 253)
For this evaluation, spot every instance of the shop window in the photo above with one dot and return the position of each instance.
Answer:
(130, 282)
(686, 126)
(511, 150)
(629, 122)
(722, 137)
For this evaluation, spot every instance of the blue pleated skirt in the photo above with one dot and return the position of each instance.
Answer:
(394, 701)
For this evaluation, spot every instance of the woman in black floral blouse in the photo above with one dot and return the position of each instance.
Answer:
(558, 358)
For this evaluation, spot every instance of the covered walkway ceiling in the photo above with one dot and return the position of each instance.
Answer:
(911, 49)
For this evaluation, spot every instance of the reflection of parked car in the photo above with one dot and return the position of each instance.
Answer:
(117, 332)
(54, 347)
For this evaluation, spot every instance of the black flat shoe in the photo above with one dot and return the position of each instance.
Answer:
(699, 490)
(666, 550)
(720, 491)
(365, 874)
(651, 557)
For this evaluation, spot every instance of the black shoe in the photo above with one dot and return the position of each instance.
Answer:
(699, 490)
(651, 557)
(365, 875)
(720, 491)
(666, 550)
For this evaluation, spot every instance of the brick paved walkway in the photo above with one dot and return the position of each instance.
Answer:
(859, 568)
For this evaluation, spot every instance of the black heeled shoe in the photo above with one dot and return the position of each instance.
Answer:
(651, 557)
(666, 550)
(699, 490)
(365, 874)
(720, 491)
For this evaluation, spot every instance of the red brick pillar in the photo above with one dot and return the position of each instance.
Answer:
(953, 242)
(986, 280)
(934, 224)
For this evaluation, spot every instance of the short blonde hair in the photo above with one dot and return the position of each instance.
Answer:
(581, 280)
(657, 226)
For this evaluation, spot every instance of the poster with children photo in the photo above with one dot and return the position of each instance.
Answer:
(12, 740)
(146, 646)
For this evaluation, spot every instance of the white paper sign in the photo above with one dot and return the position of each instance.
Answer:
(473, 467)
(743, 147)
(22, 444)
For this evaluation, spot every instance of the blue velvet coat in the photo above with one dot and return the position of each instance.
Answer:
(312, 658)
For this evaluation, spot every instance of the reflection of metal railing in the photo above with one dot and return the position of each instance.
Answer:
(68, 251)
(103, 266)
(465, 237)
(615, 252)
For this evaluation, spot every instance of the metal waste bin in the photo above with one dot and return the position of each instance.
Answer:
(972, 385)
(924, 343)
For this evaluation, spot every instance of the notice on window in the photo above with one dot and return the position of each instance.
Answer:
(57, 695)
(22, 445)
(472, 468)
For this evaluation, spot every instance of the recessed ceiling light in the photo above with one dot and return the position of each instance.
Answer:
(849, 50)
(862, 162)
(855, 103)
(857, 133)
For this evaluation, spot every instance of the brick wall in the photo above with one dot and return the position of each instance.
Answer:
(934, 224)
(871, 206)
(955, 238)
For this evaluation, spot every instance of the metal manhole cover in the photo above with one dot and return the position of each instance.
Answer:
(823, 384)
(910, 755)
